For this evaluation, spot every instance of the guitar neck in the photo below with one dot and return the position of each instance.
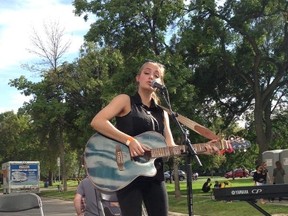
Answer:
(200, 148)
(168, 151)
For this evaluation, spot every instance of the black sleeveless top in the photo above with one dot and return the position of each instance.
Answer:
(141, 119)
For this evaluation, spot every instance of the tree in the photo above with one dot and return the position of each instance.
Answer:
(280, 135)
(222, 61)
(50, 46)
(133, 27)
(139, 30)
(238, 51)
(17, 138)
(88, 85)
(68, 100)
(49, 95)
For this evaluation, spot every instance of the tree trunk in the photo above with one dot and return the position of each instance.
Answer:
(176, 180)
(62, 158)
(262, 130)
(50, 177)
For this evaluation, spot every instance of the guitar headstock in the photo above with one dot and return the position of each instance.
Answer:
(239, 143)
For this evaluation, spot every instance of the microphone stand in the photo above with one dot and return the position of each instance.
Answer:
(190, 153)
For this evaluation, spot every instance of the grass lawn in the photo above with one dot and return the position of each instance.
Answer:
(203, 204)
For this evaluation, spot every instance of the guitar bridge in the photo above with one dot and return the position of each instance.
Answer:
(119, 157)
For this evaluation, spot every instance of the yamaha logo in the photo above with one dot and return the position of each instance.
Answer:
(239, 192)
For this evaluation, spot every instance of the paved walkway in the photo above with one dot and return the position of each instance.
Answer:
(57, 207)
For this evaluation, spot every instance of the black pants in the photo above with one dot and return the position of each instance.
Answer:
(144, 190)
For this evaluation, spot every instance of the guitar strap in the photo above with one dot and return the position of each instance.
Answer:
(203, 131)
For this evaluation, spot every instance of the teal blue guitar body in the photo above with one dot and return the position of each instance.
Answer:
(110, 166)
(109, 163)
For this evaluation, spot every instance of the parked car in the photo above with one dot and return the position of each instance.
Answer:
(181, 175)
(237, 173)
(167, 176)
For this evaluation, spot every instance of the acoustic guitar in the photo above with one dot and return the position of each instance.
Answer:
(110, 166)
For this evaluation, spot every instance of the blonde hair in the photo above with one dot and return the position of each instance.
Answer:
(162, 72)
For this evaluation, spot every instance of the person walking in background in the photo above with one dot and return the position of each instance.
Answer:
(259, 178)
(87, 200)
(265, 173)
(278, 175)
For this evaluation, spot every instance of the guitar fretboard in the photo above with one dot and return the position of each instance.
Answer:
(168, 151)
(181, 149)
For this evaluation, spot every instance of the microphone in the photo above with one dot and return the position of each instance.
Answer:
(157, 85)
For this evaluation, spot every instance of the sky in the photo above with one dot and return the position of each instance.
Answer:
(17, 19)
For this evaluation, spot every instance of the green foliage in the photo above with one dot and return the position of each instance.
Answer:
(233, 53)
(133, 27)
(66, 100)
(17, 138)
(221, 63)
(280, 136)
